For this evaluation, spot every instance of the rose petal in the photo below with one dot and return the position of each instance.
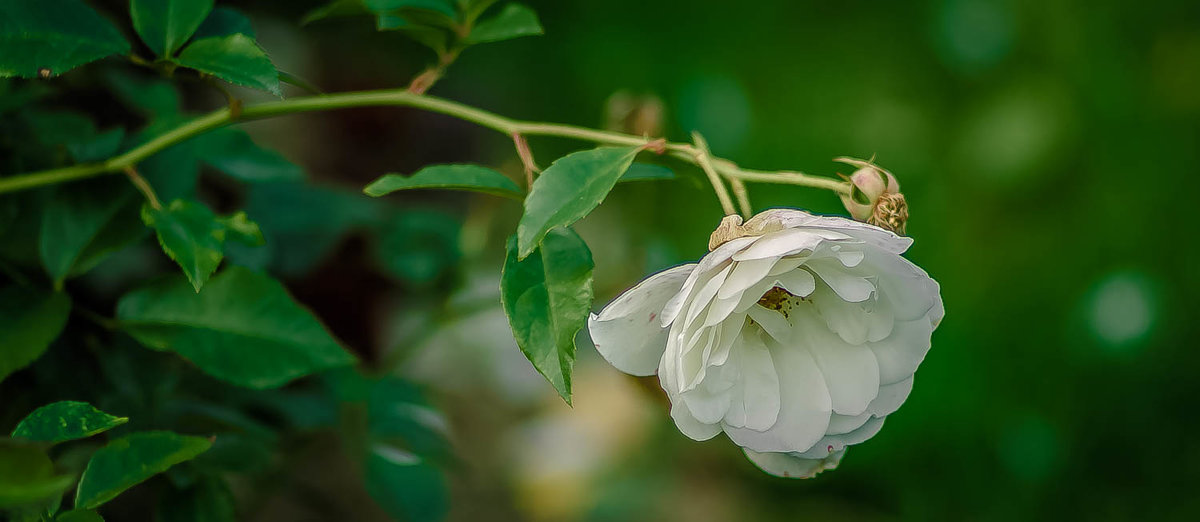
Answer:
(755, 399)
(715, 260)
(850, 287)
(773, 323)
(851, 372)
(786, 465)
(688, 424)
(627, 332)
(839, 424)
(744, 275)
(785, 242)
(831, 444)
(804, 407)
(890, 397)
(901, 353)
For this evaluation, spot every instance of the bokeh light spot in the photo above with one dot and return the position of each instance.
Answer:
(1121, 310)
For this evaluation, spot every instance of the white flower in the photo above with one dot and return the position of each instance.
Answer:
(796, 339)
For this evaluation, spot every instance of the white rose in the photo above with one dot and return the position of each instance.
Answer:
(796, 339)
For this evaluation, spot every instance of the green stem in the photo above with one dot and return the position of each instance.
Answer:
(398, 98)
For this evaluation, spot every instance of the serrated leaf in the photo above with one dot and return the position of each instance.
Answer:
(190, 235)
(85, 221)
(514, 21)
(236, 59)
(243, 328)
(646, 172)
(27, 476)
(79, 515)
(405, 485)
(454, 177)
(65, 420)
(127, 461)
(50, 37)
(224, 21)
(233, 152)
(165, 25)
(30, 320)
(547, 296)
(569, 189)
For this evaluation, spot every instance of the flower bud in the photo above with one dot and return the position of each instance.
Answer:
(872, 188)
(891, 212)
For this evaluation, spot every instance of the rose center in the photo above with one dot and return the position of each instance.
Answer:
(779, 300)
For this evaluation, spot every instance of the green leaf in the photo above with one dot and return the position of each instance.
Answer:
(65, 420)
(27, 476)
(98, 147)
(337, 8)
(405, 485)
(442, 7)
(75, 133)
(208, 500)
(233, 152)
(129, 460)
(243, 328)
(8, 213)
(514, 21)
(165, 25)
(455, 177)
(646, 172)
(224, 21)
(174, 172)
(29, 321)
(85, 221)
(299, 82)
(151, 96)
(50, 37)
(79, 515)
(432, 37)
(238, 227)
(298, 241)
(419, 246)
(547, 297)
(189, 234)
(397, 411)
(236, 59)
(569, 190)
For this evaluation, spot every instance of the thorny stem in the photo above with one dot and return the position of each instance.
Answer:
(403, 98)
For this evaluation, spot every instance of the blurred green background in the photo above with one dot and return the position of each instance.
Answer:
(1049, 154)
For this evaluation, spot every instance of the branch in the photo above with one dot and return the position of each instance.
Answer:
(400, 98)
